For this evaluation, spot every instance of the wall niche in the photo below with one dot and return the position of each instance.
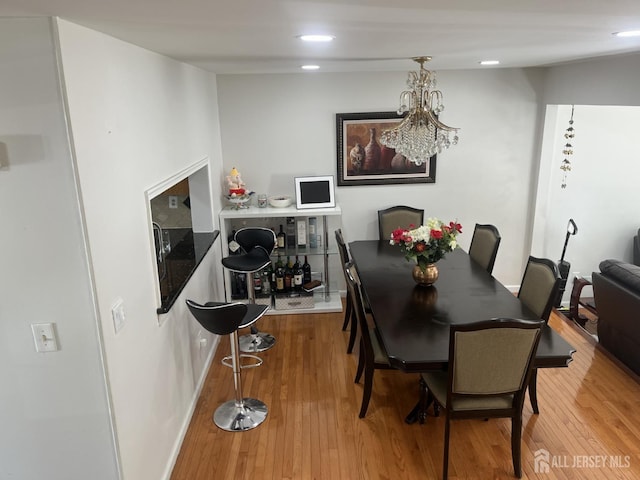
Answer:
(181, 219)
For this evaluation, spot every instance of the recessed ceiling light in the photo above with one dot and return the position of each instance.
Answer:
(490, 62)
(628, 33)
(310, 67)
(316, 38)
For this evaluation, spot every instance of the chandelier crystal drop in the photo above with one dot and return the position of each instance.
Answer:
(420, 135)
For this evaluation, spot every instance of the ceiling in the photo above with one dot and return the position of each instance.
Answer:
(259, 36)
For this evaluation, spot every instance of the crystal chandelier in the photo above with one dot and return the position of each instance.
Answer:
(420, 135)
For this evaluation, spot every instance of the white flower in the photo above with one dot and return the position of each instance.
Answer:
(434, 223)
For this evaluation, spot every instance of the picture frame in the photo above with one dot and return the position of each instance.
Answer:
(354, 132)
(315, 192)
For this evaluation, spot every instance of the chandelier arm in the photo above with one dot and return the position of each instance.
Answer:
(441, 126)
(404, 105)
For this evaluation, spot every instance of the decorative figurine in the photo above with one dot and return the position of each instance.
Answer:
(239, 196)
(236, 185)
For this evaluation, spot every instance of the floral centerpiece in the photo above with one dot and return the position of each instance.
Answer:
(426, 245)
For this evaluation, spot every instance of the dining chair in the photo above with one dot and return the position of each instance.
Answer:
(538, 291)
(372, 355)
(399, 216)
(349, 315)
(490, 364)
(484, 246)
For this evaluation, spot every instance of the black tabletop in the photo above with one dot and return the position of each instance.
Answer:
(413, 321)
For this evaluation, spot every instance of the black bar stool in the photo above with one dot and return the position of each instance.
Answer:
(256, 243)
(241, 413)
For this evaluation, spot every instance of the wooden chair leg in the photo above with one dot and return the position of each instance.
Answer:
(348, 310)
(516, 443)
(445, 460)
(354, 331)
(366, 394)
(533, 394)
(360, 363)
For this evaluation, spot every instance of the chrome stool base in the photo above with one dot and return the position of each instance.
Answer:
(238, 417)
(256, 342)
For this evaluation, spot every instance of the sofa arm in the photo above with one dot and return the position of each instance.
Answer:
(618, 319)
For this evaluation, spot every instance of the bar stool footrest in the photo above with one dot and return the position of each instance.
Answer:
(226, 361)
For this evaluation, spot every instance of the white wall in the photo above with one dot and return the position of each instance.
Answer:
(602, 195)
(275, 127)
(54, 418)
(138, 118)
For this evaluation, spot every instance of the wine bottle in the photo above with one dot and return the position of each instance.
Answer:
(288, 275)
(257, 283)
(279, 276)
(272, 272)
(281, 238)
(297, 275)
(313, 234)
(306, 271)
(266, 280)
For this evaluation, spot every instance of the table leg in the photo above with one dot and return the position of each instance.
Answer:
(414, 414)
(419, 412)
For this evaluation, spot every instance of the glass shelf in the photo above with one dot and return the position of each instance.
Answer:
(323, 258)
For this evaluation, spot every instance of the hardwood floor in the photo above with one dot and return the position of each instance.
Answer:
(589, 412)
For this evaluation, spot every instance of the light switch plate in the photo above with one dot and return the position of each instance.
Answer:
(44, 335)
(117, 313)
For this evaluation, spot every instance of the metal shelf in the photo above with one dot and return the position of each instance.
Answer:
(325, 300)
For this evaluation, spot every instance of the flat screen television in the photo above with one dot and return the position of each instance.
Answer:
(315, 192)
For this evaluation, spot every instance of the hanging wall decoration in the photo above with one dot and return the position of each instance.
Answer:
(567, 151)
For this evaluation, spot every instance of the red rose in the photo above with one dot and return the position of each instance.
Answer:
(437, 234)
(397, 235)
(419, 247)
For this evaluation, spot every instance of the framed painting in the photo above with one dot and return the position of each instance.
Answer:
(363, 160)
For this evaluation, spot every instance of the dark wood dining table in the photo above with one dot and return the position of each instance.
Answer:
(413, 321)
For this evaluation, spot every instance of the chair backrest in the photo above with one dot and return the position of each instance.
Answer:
(399, 216)
(354, 289)
(636, 249)
(218, 318)
(342, 247)
(251, 237)
(484, 246)
(539, 287)
(491, 357)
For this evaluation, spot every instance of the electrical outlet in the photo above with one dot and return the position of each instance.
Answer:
(44, 335)
(173, 201)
